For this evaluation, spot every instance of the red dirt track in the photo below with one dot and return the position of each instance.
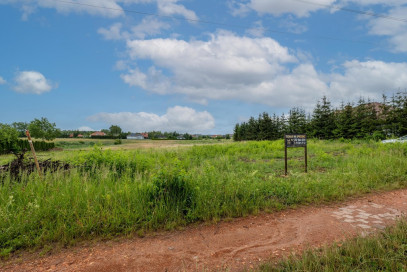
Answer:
(235, 245)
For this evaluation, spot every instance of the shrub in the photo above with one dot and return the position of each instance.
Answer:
(117, 142)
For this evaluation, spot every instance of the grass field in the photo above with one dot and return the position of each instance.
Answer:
(120, 192)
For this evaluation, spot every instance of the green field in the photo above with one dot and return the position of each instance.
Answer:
(134, 190)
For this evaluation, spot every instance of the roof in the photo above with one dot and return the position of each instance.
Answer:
(98, 133)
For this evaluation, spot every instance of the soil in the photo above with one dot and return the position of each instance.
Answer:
(232, 245)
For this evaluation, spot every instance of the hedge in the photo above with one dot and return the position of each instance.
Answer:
(8, 147)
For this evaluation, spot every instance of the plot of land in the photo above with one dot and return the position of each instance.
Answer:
(107, 195)
(236, 245)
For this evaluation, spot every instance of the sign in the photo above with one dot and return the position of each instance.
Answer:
(295, 140)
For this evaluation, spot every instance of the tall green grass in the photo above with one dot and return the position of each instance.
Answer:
(113, 193)
(386, 251)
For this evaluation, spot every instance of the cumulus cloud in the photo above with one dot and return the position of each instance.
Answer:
(369, 79)
(180, 119)
(2, 81)
(32, 82)
(219, 67)
(105, 8)
(254, 70)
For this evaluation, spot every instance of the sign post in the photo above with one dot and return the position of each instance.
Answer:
(295, 140)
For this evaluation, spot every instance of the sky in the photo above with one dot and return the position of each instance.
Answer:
(193, 66)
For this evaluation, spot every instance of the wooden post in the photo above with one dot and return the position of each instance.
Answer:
(285, 157)
(33, 151)
(306, 160)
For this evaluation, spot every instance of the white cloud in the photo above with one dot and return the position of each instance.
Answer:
(2, 81)
(257, 30)
(32, 82)
(301, 8)
(277, 7)
(369, 79)
(254, 70)
(105, 8)
(149, 26)
(85, 128)
(395, 30)
(237, 8)
(291, 26)
(170, 7)
(114, 32)
(180, 119)
(375, 2)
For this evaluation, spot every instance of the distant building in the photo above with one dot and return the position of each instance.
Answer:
(145, 135)
(180, 138)
(71, 135)
(80, 136)
(135, 136)
(98, 134)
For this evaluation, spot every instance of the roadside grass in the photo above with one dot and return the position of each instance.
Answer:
(111, 193)
(385, 251)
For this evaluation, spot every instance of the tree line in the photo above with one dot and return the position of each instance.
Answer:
(361, 120)
(10, 142)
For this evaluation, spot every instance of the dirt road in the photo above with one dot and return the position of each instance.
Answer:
(237, 244)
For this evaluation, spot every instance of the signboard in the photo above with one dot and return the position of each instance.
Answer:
(295, 140)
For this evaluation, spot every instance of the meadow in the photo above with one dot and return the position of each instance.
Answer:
(109, 193)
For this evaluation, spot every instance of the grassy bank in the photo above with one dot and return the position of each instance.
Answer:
(386, 251)
(113, 193)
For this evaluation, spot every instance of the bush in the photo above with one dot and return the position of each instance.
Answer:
(378, 135)
(117, 142)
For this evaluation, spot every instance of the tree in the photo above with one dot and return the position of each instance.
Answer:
(296, 121)
(237, 133)
(323, 123)
(43, 129)
(400, 113)
(115, 130)
(265, 127)
(8, 133)
(253, 129)
(8, 138)
(344, 118)
(21, 127)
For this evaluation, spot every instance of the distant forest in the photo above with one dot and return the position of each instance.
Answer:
(363, 120)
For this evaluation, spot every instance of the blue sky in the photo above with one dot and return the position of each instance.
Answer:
(193, 66)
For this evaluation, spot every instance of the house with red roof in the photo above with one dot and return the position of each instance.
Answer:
(98, 134)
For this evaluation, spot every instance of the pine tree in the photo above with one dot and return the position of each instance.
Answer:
(296, 121)
(323, 123)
